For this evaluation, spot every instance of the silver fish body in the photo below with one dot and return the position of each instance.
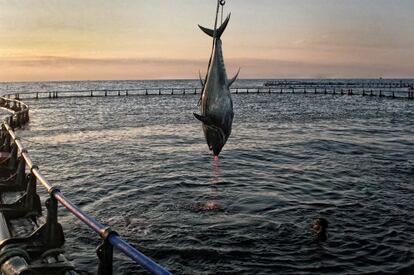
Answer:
(216, 104)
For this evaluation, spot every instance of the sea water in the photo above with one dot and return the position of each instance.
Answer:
(141, 165)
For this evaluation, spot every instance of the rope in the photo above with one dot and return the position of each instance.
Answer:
(220, 3)
(13, 252)
(12, 177)
(5, 160)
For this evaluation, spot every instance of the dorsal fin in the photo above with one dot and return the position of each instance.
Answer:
(231, 81)
(219, 31)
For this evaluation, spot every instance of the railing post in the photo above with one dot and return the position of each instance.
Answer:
(105, 253)
(6, 146)
(11, 122)
(12, 165)
(54, 236)
(21, 179)
(32, 199)
(16, 121)
(2, 137)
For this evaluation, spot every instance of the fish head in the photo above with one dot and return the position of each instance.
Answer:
(215, 138)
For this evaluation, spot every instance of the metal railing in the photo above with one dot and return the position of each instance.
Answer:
(20, 116)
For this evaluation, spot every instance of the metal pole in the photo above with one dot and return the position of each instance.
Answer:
(137, 256)
(88, 220)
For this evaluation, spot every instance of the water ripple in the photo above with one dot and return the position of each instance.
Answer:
(140, 165)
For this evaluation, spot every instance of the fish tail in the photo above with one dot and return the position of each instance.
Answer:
(219, 31)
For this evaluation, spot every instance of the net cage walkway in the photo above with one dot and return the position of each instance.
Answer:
(398, 90)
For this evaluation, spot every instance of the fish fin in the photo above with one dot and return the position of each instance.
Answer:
(231, 81)
(204, 119)
(201, 80)
(207, 31)
(219, 31)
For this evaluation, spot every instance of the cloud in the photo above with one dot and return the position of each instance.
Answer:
(272, 68)
(69, 68)
(59, 61)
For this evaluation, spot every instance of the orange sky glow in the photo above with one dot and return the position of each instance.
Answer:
(108, 40)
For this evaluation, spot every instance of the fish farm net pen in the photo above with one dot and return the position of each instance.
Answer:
(20, 116)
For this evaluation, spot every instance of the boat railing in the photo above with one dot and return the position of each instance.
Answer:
(19, 116)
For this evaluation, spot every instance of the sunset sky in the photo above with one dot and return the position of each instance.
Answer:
(159, 39)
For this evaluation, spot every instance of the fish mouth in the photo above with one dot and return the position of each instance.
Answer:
(217, 150)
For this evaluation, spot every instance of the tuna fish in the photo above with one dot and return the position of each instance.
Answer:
(216, 105)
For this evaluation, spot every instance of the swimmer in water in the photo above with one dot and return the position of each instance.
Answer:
(320, 229)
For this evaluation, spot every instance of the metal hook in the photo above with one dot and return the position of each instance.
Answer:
(222, 2)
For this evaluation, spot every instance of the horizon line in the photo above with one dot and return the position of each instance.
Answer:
(196, 79)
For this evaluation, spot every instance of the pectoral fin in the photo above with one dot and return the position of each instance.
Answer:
(204, 119)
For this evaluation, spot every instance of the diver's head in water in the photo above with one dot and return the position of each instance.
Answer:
(320, 228)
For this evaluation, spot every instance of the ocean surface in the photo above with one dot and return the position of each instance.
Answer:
(141, 165)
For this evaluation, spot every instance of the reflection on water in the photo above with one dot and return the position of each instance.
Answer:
(213, 204)
(216, 171)
(140, 164)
